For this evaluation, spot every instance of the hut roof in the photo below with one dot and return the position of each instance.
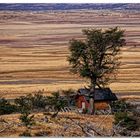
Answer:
(99, 94)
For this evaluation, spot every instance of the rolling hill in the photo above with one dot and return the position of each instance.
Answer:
(69, 6)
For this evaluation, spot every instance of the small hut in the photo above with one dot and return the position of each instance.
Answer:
(99, 100)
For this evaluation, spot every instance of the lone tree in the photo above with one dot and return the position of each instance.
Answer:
(96, 57)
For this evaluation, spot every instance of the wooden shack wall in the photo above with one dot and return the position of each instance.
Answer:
(101, 105)
(80, 100)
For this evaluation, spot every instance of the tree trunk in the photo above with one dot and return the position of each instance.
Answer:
(91, 106)
(92, 90)
(93, 84)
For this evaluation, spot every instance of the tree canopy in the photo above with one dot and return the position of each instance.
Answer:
(96, 56)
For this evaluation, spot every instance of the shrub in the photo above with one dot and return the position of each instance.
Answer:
(6, 107)
(27, 120)
(126, 121)
(38, 100)
(120, 106)
(57, 101)
(24, 103)
(119, 116)
(30, 102)
(130, 123)
(70, 99)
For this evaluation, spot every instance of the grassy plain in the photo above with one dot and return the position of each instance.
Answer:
(34, 50)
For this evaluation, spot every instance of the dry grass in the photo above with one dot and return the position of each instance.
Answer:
(56, 126)
(34, 50)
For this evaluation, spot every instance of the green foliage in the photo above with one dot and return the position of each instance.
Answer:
(124, 116)
(27, 119)
(130, 123)
(95, 57)
(6, 107)
(126, 121)
(55, 95)
(56, 101)
(24, 103)
(119, 116)
(38, 100)
(29, 102)
(120, 105)
(67, 93)
(59, 104)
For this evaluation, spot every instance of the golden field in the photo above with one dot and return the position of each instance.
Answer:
(34, 50)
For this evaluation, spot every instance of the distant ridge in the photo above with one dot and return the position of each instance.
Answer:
(70, 6)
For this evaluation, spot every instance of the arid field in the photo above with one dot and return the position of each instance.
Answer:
(34, 50)
(55, 127)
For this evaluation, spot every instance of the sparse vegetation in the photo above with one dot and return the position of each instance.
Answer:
(27, 119)
(120, 106)
(57, 102)
(38, 100)
(6, 107)
(24, 103)
(68, 93)
(31, 102)
(126, 121)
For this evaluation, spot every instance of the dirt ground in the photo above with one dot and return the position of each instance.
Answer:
(34, 50)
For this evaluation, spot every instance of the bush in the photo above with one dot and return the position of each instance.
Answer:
(57, 101)
(38, 100)
(119, 116)
(27, 120)
(24, 103)
(69, 98)
(126, 121)
(30, 102)
(130, 123)
(6, 107)
(120, 106)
